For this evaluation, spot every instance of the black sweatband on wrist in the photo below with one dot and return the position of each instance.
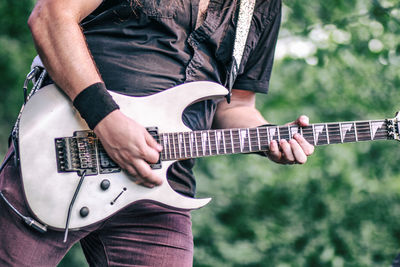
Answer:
(94, 103)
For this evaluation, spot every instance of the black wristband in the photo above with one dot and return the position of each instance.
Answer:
(94, 104)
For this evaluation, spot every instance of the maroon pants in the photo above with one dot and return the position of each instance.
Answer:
(143, 234)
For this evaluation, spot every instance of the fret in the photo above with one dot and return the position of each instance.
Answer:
(290, 132)
(233, 147)
(165, 142)
(209, 142)
(211, 138)
(216, 142)
(258, 139)
(363, 130)
(279, 134)
(237, 140)
(315, 139)
(195, 140)
(184, 144)
(169, 146)
(264, 144)
(272, 133)
(370, 130)
(348, 132)
(327, 134)
(249, 138)
(294, 129)
(355, 131)
(228, 147)
(341, 133)
(179, 135)
(191, 144)
(284, 132)
(173, 144)
(321, 135)
(242, 139)
(204, 142)
(268, 139)
(253, 141)
(335, 135)
(223, 141)
(308, 134)
(376, 125)
(220, 138)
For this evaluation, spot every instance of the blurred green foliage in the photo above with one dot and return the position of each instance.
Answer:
(336, 61)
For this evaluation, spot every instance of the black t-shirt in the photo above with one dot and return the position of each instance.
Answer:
(147, 49)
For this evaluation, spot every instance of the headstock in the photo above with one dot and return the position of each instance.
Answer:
(393, 126)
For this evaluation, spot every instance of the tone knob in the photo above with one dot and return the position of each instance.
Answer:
(84, 212)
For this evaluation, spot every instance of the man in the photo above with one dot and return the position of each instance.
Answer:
(140, 48)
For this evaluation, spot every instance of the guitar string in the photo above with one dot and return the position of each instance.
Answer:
(185, 137)
(282, 129)
(245, 148)
(358, 133)
(262, 134)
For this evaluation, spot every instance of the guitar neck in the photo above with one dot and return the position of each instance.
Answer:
(184, 145)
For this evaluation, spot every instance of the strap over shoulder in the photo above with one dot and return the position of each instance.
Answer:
(246, 10)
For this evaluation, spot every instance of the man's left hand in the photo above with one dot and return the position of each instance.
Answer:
(293, 151)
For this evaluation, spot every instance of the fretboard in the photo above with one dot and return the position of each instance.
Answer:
(183, 145)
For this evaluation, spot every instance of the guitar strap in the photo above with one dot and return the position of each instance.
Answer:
(246, 10)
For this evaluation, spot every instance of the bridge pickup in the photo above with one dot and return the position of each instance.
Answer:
(107, 165)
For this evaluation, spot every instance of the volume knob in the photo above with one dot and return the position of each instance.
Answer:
(105, 184)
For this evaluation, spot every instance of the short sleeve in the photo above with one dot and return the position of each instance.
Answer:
(256, 67)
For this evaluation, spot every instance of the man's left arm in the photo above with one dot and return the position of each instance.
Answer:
(242, 113)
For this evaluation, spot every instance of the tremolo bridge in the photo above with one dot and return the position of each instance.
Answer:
(83, 151)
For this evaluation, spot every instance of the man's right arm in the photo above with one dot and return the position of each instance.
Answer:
(61, 44)
(62, 47)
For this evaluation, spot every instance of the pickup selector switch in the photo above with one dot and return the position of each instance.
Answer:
(105, 184)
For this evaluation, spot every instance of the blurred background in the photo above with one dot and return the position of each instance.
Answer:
(336, 60)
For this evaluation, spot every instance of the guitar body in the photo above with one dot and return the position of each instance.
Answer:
(49, 114)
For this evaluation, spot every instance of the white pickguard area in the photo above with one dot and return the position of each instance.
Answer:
(49, 114)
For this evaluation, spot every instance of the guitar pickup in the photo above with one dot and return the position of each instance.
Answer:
(153, 131)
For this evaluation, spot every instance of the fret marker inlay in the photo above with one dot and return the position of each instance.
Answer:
(242, 135)
(375, 126)
(318, 130)
(219, 137)
(204, 142)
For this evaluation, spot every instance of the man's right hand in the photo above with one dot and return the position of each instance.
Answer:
(130, 146)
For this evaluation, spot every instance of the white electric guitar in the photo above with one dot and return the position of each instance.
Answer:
(70, 182)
